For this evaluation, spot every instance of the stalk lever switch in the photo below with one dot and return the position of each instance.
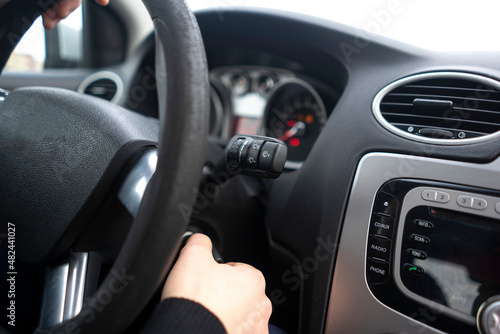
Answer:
(256, 156)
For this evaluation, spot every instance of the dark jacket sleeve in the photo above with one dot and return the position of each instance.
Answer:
(182, 316)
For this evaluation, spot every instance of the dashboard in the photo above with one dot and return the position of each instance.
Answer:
(386, 219)
(353, 123)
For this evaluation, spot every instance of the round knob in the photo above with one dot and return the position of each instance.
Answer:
(488, 316)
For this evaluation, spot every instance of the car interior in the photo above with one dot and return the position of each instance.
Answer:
(359, 173)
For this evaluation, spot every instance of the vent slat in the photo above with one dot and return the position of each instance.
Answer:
(487, 116)
(444, 119)
(457, 124)
(102, 88)
(452, 88)
(448, 97)
(406, 126)
(475, 111)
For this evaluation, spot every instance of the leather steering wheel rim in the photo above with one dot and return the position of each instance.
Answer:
(155, 236)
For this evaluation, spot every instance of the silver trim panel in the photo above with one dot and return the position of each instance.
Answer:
(134, 186)
(350, 295)
(63, 291)
(424, 76)
(76, 284)
(104, 75)
(54, 295)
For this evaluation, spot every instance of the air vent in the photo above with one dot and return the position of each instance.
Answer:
(106, 85)
(448, 108)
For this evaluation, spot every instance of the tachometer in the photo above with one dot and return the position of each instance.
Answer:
(296, 115)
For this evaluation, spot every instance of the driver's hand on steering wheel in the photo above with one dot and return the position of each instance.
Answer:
(61, 11)
(234, 292)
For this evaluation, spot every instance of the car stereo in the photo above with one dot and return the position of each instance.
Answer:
(433, 253)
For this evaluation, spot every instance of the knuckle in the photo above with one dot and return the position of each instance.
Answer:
(257, 275)
(260, 279)
(267, 308)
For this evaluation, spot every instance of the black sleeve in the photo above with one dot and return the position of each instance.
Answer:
(182, 316)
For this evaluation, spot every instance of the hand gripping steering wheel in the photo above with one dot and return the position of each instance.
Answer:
(61, 153)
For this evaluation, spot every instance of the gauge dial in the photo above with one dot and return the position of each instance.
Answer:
(296, 115)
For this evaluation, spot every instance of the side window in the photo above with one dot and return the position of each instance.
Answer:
(39, 49)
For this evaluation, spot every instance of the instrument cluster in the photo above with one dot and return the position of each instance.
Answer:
(267, 101)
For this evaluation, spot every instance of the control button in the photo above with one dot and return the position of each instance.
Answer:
(253, 154)
(429, 195)
(377, 271)
(411, 268)
(382, 225)
(497, 207)
(272, 156)
(385, 204)
(379, 248)
(418, 254)
(442, 197)
(423, 224)
(479, 203)
(233, 156)
(464, 201)
(420, 238)
(488, 316)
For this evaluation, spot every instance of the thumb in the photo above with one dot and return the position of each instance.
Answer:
(197, 245)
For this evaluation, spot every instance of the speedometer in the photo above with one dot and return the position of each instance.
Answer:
(296, 115)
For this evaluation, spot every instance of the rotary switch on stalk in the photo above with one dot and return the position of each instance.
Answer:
(256, 156)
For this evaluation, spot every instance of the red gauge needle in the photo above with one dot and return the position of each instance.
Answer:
(297, 129)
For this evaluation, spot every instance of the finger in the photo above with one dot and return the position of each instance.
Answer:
(199, 239)
(50, 19)
(102, 2)
(66, 7)
(199, 244)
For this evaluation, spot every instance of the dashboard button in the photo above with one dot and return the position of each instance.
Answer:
(420, 238)
(442, 197)
(423, 223)
(382, 225)
(479, 203)
(413, 269)
(385, 204)
(267, 156)
(429, 195)
(253, 154)
(497, 207)
(377, 271)
(418, 254)
(379, 248)
(464, 201)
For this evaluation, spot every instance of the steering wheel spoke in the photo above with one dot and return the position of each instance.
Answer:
(134, 186)
(64, 291)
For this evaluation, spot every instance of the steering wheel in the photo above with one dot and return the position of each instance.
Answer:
(61, 153)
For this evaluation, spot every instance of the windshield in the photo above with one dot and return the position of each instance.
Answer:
(444, 25)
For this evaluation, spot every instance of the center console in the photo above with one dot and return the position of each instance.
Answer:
(437, 246)
(430, 229)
